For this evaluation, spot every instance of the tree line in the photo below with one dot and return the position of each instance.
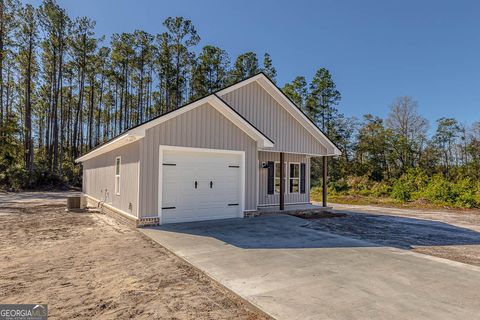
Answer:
(402, 157)
(65, 90)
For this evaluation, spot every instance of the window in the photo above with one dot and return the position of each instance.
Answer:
(277, 175)
(117, 175)
(294, 177)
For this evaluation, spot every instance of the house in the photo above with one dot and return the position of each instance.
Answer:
(215, 158)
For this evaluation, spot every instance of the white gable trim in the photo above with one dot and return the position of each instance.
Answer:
(240, 84)
(280, 97)
(140, 131)
(221, 107)
(118, 142)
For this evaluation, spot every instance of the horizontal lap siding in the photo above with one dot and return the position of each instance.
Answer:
(274, 199)
(202, 127)
(267, 115)
(99, 178)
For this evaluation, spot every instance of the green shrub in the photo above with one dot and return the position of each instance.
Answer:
(337, 187)
(15, 177)
(72, 174)
(402, 190)
(412, 185)
(381, 189)
(359, 185)
(439, 190)
(409, 185)
(466, 193)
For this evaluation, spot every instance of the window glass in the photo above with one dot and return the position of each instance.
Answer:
(117, 175)
(294, 170)
(117, 167)
(294, 177)
(277, 170)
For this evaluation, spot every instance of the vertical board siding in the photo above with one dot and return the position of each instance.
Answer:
(266, 199)
(271, 118)
(202, 127)
(99, 178)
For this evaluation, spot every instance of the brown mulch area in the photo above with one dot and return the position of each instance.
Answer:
(312, 214)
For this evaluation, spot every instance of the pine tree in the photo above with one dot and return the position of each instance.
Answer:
(56, 23)
(8, 25)
(297, 91)
(27, 42)
(183, 36)
(268, 68)
(246, 65)
(323, 98)
(210, 72)
(82, 46)
(165, 70)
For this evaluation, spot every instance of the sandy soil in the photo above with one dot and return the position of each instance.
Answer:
(449, 234)
(87, 265)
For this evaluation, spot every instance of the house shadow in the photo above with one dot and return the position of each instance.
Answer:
(352, 231)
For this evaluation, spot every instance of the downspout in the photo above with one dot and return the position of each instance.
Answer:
(324, 181)
(100, 203)
(282, 182)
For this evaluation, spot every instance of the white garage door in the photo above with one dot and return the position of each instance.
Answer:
(200, 186)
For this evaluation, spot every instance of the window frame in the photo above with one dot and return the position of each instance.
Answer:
(290, 178)
(118, 161)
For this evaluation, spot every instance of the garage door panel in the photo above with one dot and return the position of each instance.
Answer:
(217, 201)
(199, 214)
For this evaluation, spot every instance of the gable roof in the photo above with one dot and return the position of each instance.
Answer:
(268, 85)
(213, 100)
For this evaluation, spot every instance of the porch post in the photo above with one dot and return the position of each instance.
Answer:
(282, 183)
(324, 182)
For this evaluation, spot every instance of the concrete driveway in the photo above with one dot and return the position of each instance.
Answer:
(294, 272)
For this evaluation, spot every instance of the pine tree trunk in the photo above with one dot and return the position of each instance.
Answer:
(126, 111)
(28, 113)
(120, 116)
(51, 110)
(99, 113)
(77, 132)
(7, 93)
(2, 35)
(76, 142)
(116, 110)
(90, 113)
(55, 115)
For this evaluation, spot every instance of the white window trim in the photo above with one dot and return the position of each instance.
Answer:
(275, 175)
(117, 189)
(299, 177)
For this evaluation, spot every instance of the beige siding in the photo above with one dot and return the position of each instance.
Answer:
(272, 199)
(267, 115)
(99, 178)
(202, 127)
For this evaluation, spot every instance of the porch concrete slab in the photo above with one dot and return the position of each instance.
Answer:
(294, 207)
(293, 272)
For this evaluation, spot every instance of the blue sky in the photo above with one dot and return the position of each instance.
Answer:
(376, 50)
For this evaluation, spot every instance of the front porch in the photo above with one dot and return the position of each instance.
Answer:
(287, 187)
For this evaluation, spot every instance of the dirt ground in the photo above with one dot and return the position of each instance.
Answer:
(87, 265)
(449, 234)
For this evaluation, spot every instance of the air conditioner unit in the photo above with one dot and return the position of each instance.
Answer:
(76, 203)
